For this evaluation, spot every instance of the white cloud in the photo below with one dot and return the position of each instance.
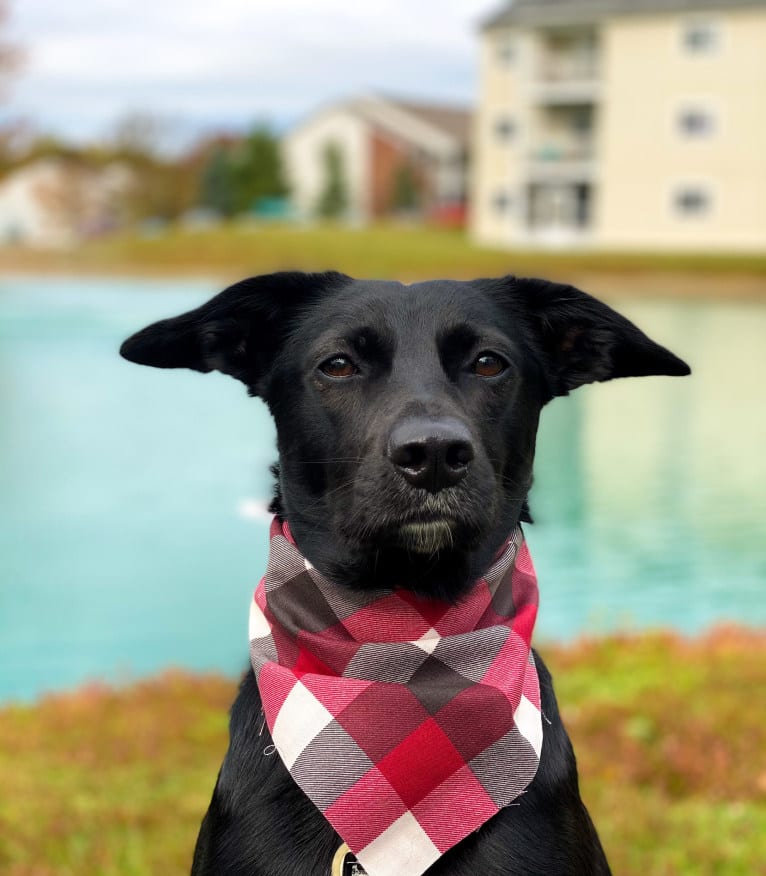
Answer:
(231, 61)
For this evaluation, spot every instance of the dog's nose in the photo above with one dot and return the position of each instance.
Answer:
(431, 454)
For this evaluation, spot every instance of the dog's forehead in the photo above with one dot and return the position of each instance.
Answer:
(396, 307)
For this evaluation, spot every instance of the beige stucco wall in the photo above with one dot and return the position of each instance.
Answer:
(303, 153)
(499, 166)
(643, 158)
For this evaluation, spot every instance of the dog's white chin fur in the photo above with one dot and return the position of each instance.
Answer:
(426, 538)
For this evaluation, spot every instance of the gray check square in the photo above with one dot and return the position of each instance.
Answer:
(471, 654)
(435, 684)
(331, 763)
(299, 606)
(384, 661)
(502, 782)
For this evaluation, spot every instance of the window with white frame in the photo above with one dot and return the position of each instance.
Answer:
(505, 129)
(696, 122)
(502, 202)
(691, 201)
(505, 50)
(700, 36)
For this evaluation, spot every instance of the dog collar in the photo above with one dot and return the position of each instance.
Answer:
(409, 722)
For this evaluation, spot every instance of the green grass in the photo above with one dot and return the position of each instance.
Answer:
(407, 253)
(669, 735)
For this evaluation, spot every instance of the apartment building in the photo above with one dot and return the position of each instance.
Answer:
(623, 124)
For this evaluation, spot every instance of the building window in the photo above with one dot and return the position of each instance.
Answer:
(695, 123)
(505, 129)
(700, 37)
(692, 201)
(506, 51)
(502, 202)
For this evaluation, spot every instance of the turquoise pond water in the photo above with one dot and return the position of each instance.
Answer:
(132, 529)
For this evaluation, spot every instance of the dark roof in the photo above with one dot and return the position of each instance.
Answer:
(564, 12)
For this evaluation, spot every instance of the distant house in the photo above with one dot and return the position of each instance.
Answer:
(623, 124)
(393, 156)
(54, 202)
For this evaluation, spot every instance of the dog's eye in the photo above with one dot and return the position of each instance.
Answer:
(489, 365)
(338, 366)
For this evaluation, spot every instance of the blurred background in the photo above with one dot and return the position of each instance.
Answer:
(148, 159)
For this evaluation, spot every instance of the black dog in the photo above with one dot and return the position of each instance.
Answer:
(406, 419)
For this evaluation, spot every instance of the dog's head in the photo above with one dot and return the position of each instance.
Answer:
(406, 415)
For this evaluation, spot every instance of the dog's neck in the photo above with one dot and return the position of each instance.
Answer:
(447, 574)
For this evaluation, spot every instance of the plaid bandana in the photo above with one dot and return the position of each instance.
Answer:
(409, 722)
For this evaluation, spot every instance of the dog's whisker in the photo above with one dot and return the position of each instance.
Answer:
(330, 459)
(333, 493)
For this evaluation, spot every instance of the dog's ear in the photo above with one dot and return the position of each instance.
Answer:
(582, 339)
(237, 332)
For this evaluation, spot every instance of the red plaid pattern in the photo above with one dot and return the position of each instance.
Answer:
(409, 722)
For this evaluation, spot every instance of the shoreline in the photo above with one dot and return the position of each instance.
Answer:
(667, 286)
(230, 252)
(726, 634)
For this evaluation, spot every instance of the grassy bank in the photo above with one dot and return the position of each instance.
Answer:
(669, 733)
(407, 253)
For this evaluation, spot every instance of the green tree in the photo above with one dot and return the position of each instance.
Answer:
(406, 194)
(334, 198)
(258, 169)
(218, 184)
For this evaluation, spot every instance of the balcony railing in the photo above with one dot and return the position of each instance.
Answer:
(569, 163)
(555, 152)
(566, 68)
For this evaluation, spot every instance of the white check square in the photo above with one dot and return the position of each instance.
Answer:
(301, 718)
(530, 724)
(428, 641)
(258, 626)
(403, 848)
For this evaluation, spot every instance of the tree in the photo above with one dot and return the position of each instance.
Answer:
(334, 198)
(139, 135)
(162, 186)
(406, 194)
(239, 173)
(258, 169)
(218, 185)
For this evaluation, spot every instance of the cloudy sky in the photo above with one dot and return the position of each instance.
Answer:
(226, 62)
